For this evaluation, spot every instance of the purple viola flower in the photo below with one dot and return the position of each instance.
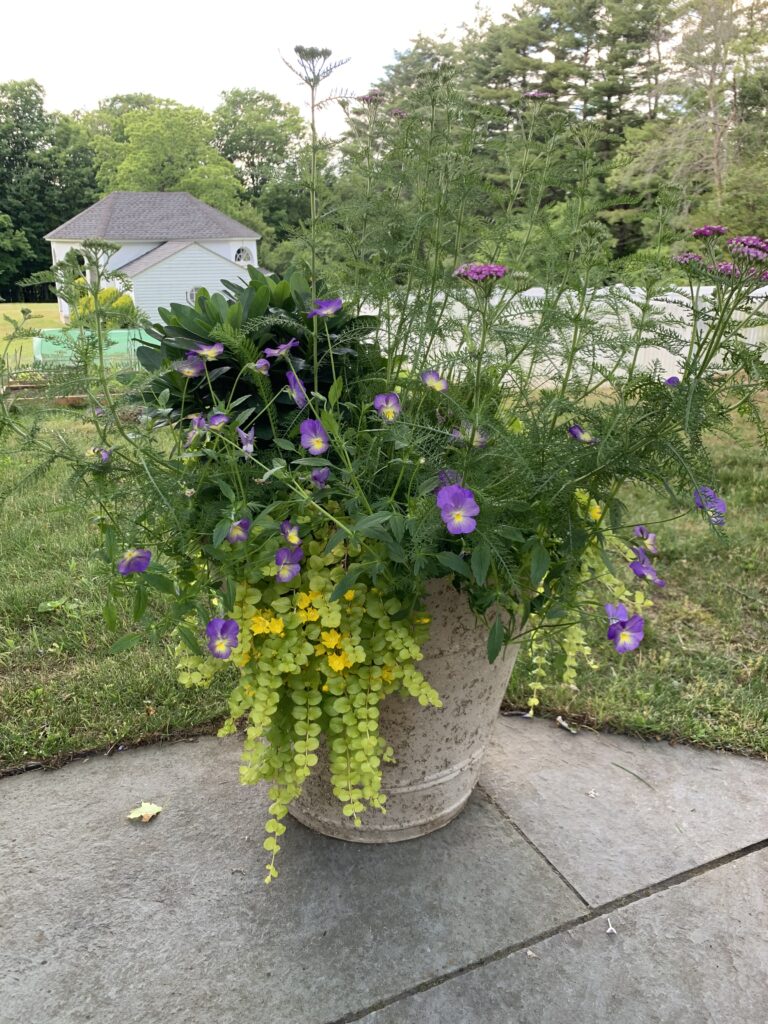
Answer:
(433, 380)
(208, 352)
(673, 381)
(479, 272)
(325, 307)
(627, 635)
(648, 538)
(134, 560)
(216, 420)
(262, 366)
(465, 435)
(288, 562)
(246, 439)
(238, 532)
(281, 349)
(102, 454)
(297, 389)
(223, 636)
(616, 612)
(576, 431)
(644, 568)
(190, 366)
(709, 502)
(387, 406)
(708, 230)
(290, 532)
(197, 422)
(457, 508)
(319, 477)
(314, 437)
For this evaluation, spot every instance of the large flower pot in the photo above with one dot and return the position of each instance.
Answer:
(439, 750)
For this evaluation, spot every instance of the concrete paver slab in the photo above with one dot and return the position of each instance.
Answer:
(104, 920)
(616, 814)
(696, 953)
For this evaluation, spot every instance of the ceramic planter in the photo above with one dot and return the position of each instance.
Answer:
(439, 750)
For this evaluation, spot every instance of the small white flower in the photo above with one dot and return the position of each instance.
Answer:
(189, 492)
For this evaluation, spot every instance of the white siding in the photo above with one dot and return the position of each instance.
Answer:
(172, 280)
(227, 247)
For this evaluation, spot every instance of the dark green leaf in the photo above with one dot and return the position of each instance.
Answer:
(139, 602)
(346, 582)
(189, 638)
(539, 563)
(495, 639)
(220, 531)
(158, 581)
(481, 562)
(452, 561)
(125, 643)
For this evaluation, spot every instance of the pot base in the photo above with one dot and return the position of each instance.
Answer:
(369, 832)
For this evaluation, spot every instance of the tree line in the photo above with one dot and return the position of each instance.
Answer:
(671, 94)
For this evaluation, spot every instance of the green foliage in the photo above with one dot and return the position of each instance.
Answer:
(247, 319)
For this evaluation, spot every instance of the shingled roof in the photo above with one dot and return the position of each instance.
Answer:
(150, 217)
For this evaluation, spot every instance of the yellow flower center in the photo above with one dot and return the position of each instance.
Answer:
(221, 646)
(389, 412)
(316, 444)
(293, 535)
(625, 637)
(457, 516)
(349, 595)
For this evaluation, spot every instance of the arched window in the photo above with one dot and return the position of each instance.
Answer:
(243, 255)
(192, 295)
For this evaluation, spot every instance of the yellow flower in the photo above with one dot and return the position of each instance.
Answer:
(325, 688)
(330, 637)
(423, 620)
(338, 662)
(595, 512)
(349, 595)
(259, 624)
(277, 626)
(319, 650)
(309, 615)
(303, 600)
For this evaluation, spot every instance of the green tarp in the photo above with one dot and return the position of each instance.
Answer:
(51, 346)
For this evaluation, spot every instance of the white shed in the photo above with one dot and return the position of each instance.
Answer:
(170, 245)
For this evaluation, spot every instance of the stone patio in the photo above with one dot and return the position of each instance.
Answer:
(592, 878)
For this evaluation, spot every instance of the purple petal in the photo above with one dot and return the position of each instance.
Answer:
(134, 560)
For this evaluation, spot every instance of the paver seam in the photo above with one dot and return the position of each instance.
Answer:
(567, 882)
(590, 915)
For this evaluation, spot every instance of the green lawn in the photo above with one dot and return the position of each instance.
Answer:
(700, 676)
(46, 315)
(60, 690)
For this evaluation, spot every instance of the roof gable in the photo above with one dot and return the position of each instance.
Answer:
(150, 217)
(165, 251)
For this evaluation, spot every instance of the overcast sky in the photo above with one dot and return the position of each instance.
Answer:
(191, 51)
